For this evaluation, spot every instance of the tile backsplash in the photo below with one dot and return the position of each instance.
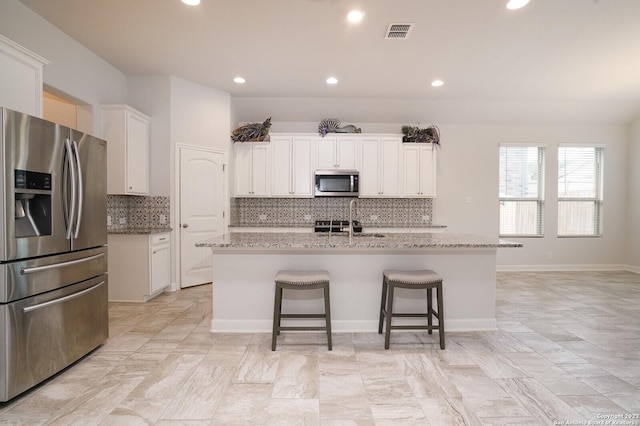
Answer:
(373, 212)
(137, 212)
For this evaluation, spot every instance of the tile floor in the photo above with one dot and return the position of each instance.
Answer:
(567, 352)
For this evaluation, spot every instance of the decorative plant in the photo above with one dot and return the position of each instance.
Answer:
(332, 125)
(415, 134)
(252, 132)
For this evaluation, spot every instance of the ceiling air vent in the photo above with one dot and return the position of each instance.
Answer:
(398, 31)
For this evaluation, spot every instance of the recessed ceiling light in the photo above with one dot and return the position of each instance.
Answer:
(355, 16)
(239, 80)
(516, 4)
(437, 83)
(191, 2)
(332, 80)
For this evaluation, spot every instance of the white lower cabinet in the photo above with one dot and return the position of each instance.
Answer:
(139, 266)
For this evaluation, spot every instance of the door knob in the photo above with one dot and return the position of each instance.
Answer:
(185, 225)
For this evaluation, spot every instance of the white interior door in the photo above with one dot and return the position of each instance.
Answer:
(202, 203)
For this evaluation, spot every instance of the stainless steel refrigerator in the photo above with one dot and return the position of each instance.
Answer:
(53, 255)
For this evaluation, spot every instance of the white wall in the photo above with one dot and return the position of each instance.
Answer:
(74, 70)
(425, 111)
(633, 195)
(610, 249)
(200, 115)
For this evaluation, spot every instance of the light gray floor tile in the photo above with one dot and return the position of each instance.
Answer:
(566, 349)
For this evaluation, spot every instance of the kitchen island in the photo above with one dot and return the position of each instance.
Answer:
(244, 265)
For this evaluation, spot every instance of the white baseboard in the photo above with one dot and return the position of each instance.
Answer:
(266, 326)
(560, 268)
(635, 269)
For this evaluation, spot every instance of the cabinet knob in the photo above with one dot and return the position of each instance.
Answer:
(185, 225)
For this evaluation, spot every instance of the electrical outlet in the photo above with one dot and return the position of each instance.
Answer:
(307, 217)
(162, 219)
(425, 218)
(373, 217)
(550, 255)
(122, 221)
(468, 199)
(262, 217)
(109, 222)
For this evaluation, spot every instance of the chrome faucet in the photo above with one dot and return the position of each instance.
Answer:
(352, 203)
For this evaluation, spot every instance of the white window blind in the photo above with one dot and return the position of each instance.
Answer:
(521, 190)
(580, 191)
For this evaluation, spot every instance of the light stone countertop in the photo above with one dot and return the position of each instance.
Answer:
(296, 241)
(138, 231)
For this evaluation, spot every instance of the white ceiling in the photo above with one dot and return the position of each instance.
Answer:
(552, 50)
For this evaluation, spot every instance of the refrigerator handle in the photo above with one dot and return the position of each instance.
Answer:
(80, 199)
(31, 308)
(34, 269)
(72, 171)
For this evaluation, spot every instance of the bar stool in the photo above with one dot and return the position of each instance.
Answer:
(300, 280)
(418, 279)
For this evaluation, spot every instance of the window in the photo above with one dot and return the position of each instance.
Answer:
(580, 191)
(521, 190)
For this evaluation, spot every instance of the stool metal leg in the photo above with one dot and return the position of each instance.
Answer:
(277, 309)
(327, 313)
(383, 300)
(430, 310)
(281, 291)
(389, 315)
(440, 315)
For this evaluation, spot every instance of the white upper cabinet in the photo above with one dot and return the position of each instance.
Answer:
(126, 131)
(337, 152)
(419, 169)
(252, 169)
(380, 166)
(291, 172)
(20, 78)
(284, 166)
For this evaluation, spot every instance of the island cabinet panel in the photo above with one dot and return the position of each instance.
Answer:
(243, 295)
(380, 167)
(291, 170)
(337, 152)
(126, 131)
(252, 169)
(419, 170)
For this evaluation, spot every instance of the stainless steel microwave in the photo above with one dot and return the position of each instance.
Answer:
(336, 183)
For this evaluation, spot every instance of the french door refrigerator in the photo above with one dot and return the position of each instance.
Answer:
(53, 255)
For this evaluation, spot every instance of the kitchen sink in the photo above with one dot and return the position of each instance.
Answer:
(346, 234)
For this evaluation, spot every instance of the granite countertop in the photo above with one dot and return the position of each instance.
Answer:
(140, 231)
(390, 241)
(310, 226)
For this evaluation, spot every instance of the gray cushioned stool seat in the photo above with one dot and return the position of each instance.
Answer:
(300, 280)
(412, 279)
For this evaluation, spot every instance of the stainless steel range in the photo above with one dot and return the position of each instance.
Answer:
(336, 226)
(53, 259)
